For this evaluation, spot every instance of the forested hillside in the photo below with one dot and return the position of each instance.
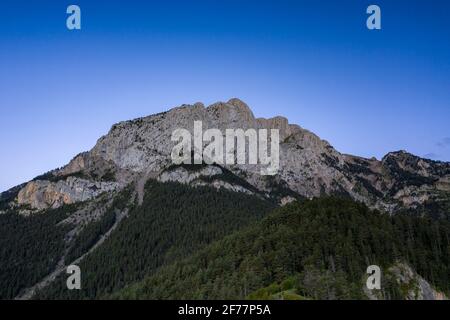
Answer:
(173, 222)
(194, 243)
(316, 249)
(29, 247)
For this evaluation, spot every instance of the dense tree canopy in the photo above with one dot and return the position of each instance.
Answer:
(185, 242)
(320, 248)
(174, 221)
(29, 247)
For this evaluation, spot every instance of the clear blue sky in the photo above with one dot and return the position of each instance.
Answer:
(315, 62)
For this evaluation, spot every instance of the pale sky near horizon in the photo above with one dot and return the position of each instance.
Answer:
(316, 63)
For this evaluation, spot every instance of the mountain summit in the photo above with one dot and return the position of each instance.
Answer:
(137, 150)
(125, 213)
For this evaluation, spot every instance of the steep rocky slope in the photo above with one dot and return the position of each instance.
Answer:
(137, 153)
(136, 150)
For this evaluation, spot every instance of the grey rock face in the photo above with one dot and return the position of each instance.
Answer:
(418, 288)
(196, 178)
(309, 166)
(411, 284)
(46, 194)
(185, 176)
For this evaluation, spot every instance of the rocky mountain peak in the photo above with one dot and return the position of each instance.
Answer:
(140, 149)
(399, 155)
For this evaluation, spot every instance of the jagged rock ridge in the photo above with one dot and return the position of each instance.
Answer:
(309, 166)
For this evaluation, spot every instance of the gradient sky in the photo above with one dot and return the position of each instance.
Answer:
(314, 62)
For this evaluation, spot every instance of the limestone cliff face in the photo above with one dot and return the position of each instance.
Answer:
(309, 166)
(209, 175)
(46, 194)
(144, 145)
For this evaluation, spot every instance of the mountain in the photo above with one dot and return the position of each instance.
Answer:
(172, 223)
(315, 249)
(134, 151)
(124, 212)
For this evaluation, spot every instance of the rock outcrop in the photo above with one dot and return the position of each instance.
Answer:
(211, 175)
(309, 166)
(411, 285)
(45, 194)
(415, 287)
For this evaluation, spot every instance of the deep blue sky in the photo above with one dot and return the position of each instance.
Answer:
(315, 62)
